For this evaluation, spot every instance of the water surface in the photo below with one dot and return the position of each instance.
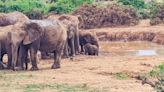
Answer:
(136, 48)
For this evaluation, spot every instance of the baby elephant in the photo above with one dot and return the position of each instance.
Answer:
(91, 49)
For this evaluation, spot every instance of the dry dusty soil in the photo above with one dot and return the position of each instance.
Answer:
(104, 73)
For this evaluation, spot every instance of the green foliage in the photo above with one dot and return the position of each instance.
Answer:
(157, 13)
(157, 71)
(60, 88)
(66, 6)
(26, 6)
(121, 76)
(23, 6)
(138, 4)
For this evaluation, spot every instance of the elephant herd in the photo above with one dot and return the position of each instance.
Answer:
(21, 38)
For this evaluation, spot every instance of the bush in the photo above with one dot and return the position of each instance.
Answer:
(157, 14)
(158, 72)
(26, 6)
(66, 6)
(144, 14)
(138, 4)
(112, 15)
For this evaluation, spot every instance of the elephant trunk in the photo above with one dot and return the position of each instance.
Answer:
(14, 55)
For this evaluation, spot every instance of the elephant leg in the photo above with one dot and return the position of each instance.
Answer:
(27, 61)
(57, 56)
(22, 55)
(33, 55)
(72, 46)
(82, 49)
(9, 63)
(1, 56)
(44, 55)
(65, 51)
(1, 62)
(77, 43)
(56, 63)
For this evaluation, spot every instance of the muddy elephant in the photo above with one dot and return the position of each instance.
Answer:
(87, 37)
(69, 48)
(12, 18)
(75, 22)
(44, 35)
(91, 49)
(7, 20)
(5, 46)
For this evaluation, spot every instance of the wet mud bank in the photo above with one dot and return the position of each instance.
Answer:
(151, 35)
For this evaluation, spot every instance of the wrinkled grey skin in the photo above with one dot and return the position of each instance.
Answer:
(38, 35)
(5, 46)
(72, 22)
(69, 48)
(87, 37)
(12, 18)
(7, 20)
(91, 49)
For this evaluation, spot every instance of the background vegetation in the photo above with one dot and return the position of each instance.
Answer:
(35, 9)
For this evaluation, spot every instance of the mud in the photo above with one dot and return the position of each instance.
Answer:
(154, 34)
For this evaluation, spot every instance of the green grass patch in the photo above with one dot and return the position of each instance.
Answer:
(121, 76)
(60, 88)
(157, 71)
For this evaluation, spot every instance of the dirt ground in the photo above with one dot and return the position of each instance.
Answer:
(95, 72)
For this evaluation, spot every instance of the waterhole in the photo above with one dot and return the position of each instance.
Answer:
(136, 48)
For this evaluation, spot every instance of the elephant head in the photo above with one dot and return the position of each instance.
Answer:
(12, 18)
(91, 38)
(71, 31)
(25, 34)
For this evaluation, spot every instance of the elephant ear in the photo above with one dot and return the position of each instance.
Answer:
(81, 21)
(34, 31)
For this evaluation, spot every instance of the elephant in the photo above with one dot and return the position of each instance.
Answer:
(6, 22)
(75, 21)
(33, 35)
(91, 49)
(12, 18)
(87, 37)
(69, 48)
(5, 46)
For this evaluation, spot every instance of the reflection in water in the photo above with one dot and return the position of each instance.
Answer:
(136, 48)
(146, 53)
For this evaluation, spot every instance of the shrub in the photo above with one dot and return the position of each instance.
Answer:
(112, 15)
(66, 6)
(26, 6)
(157, 14)
(138, 4)
(144, 14)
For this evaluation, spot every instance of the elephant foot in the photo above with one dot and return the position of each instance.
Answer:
(77, 53)
(9, 67)
(82, 53)
(72, 58)
(65, 56)
(34, 68)
(18, 69)
(3, 66)
(55, 66)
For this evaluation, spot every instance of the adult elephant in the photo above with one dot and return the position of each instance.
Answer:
(12, 18)
(44, 35)
(87, 37)
(75, 21)
(5, 46)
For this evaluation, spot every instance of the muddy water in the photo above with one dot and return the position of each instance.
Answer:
(136, 48)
